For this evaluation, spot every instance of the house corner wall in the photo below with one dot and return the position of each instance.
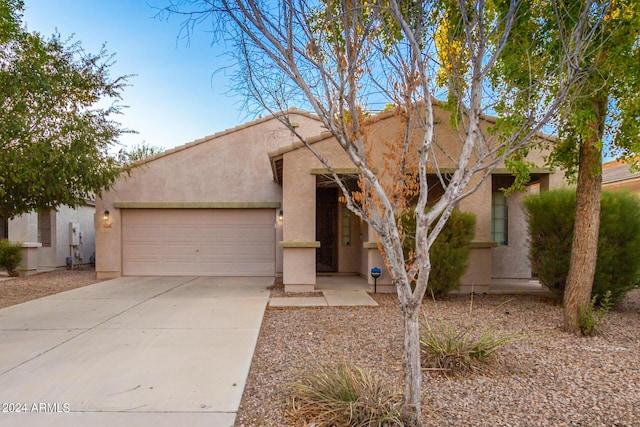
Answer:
(299, 229)
(24, 229)
(108, 245)
(478, 274)
(279, 250)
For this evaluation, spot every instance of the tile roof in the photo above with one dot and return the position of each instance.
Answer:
(617, 171)
(292, 110)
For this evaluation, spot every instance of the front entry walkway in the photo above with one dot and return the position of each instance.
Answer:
(131, 351)
(329, 298)
(333, 291)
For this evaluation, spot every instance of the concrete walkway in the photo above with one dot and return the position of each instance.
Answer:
(329, 298)
(131, 351)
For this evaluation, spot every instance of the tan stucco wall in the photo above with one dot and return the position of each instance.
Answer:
(364, 256)
(299, 201)
(477, 278)
(512, 261)
(632, 185)
(479, 203)
(297, 172)
(232, 166)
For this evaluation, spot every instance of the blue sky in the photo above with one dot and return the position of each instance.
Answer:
(175, 97)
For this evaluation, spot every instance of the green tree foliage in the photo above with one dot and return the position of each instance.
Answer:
(54, 139)
(139, 152)
(551, 219)
(449, 253)
(607, 71)
(602, 110)
(604, 105)
(10, 256)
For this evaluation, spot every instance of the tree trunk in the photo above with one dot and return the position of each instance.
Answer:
(584, 249)
(412, 366)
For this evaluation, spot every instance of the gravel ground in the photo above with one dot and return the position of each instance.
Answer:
(549, 378)
(23, 289)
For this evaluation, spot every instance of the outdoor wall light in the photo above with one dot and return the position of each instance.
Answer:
(105, 216)
(280, 215)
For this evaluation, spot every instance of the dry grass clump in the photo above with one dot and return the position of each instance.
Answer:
(344, 395)
(456, 351)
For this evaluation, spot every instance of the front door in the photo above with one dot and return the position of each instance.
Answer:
(326, 227)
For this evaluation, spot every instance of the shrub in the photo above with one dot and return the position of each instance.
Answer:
(618, 266)
(345, 395)
(449, 253)
(551, 218)
(454, 351)
(10, 256)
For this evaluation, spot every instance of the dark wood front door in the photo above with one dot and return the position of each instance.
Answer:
(326, 228)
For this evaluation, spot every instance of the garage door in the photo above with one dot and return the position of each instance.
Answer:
(200, 242)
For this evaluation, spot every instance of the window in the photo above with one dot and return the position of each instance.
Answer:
(44, 228)
(346, 226)
(499, 218)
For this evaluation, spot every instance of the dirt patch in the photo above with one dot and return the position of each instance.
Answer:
(22, 289)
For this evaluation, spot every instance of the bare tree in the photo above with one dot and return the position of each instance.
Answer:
(345, 59)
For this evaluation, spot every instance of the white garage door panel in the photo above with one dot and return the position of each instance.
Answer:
(225, 242)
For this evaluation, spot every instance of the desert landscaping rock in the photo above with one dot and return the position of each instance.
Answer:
(547, 378)
(22, 289)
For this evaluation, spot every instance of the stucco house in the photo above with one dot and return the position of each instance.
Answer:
(252, 200)
(54, 238)
(618, 175)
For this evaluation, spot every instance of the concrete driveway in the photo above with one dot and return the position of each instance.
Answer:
(135, 351)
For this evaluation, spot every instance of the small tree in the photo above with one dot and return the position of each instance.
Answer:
(342, 58)
(54, 141)
(603, 110)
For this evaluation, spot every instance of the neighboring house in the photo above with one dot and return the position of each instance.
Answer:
(253, 201)
(617, 175)
(53, 238)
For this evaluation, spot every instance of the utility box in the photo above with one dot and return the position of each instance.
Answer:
(74, 234)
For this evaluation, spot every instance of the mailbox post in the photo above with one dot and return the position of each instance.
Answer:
(375, 273)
